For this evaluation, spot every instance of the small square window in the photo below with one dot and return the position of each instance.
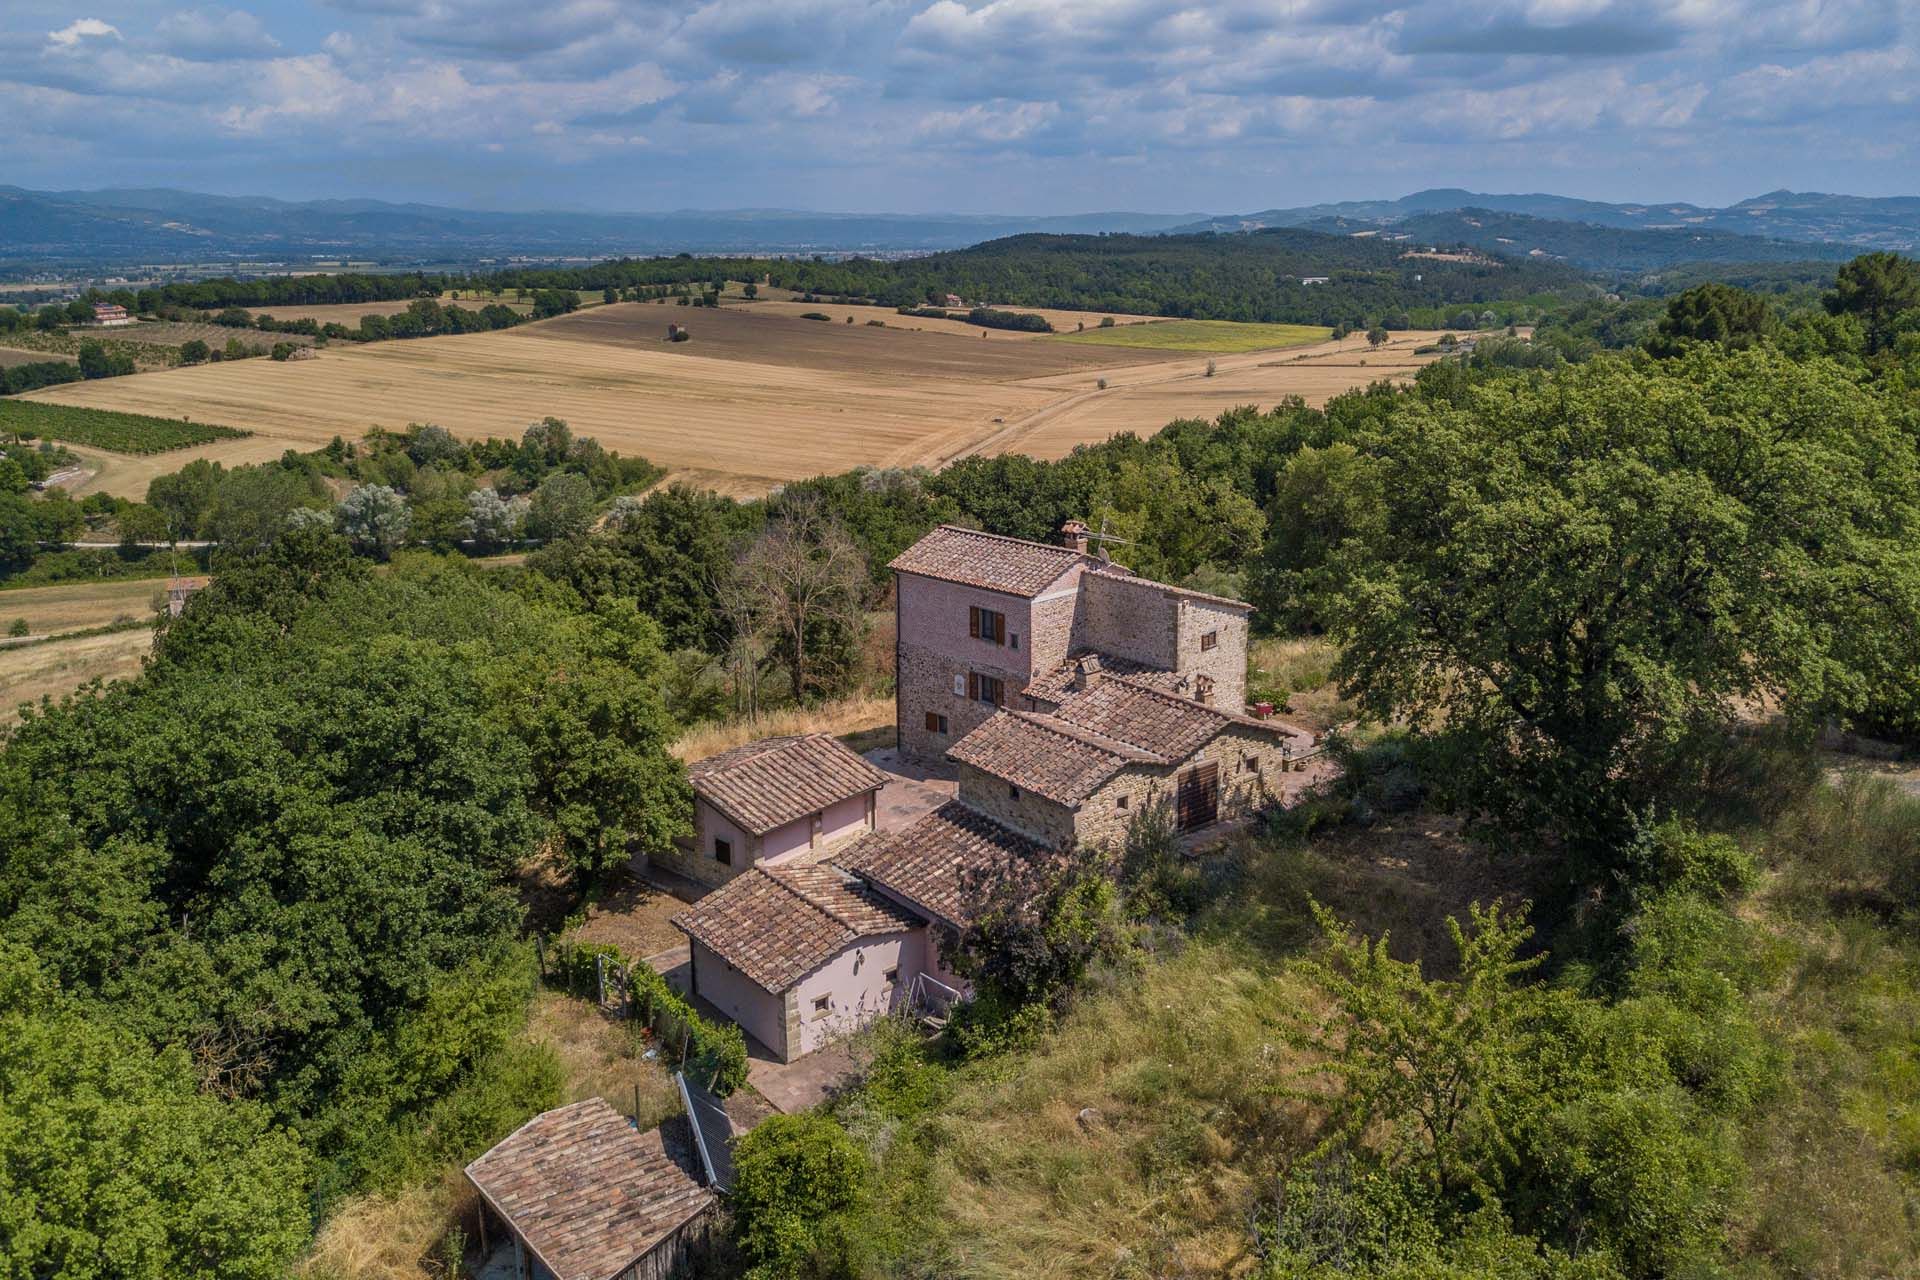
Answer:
(821, 1004)
(1013, 792)
(1013, 640)
(723, 851)
(1209, 640)
(891, 976)
(1120, 802)
(936, 723)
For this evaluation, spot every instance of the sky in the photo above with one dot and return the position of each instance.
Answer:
(980, 106)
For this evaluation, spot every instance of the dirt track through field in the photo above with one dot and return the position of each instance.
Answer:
(753, 401)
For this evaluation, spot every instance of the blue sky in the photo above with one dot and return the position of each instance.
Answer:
(1027, 106)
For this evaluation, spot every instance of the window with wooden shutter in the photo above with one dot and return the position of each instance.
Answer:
(1209, 640)
(986, 689)
(973, 621)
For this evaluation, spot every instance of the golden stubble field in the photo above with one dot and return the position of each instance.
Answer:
(757, 398)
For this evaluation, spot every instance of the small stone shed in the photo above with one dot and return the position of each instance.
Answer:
(773, 801)
(801, 955)
(584, 1195)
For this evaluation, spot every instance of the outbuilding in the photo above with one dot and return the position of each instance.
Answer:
(585, 1195)
(774, 801)
(801, 955)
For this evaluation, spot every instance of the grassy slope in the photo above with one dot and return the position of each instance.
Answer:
(1225, 337)
(1185, 1136)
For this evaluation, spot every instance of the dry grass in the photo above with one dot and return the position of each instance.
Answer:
(864, 713)
(58, 667)
(12, 356)
(601, 1058)
(391, 1237)
(1296, 673)
(79, 605)
(1159, 1178)
(1063, 321)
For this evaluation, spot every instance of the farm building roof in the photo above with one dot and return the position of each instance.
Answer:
(989, 560)
(1046, 755)
(1068, 754)
(778, 924)
(588, 1193)
(941, 864)
(769, 783)
(1056, 684)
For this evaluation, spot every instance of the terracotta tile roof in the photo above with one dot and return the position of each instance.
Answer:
(1046, 755)
(769, 783)
(1056, 685)
(778, 924)
(588, 1192)
(940, 862)
(1011, 565)
(1161, 723)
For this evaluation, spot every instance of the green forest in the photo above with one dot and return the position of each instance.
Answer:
(1592, 964)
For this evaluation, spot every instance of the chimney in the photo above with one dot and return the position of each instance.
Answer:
(1086, 672)
(1074, 534)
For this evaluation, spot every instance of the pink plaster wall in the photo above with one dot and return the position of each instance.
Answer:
(783, 842)
(837, 822)
(755, 1008)
(933, 614)
(854, 984)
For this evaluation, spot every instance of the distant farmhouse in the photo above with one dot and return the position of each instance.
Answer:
(1070, 696)
(110, 315)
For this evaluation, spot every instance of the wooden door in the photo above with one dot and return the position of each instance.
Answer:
(1197, 802)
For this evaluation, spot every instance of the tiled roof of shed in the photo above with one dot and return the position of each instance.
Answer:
(588, 1192)
(769, 783)
(1047, 755)
(777, 924)
(1161, 723)
(1055, 685)
(941, 863)
(990, 560)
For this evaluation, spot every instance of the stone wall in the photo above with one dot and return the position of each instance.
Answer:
(1051, 621)
(1226, 662)
(1253, 776)
(1036, 816)
(698, 863)
(933, 647)
(1126, 617)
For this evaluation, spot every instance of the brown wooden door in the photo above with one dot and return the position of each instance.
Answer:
(1197, 801)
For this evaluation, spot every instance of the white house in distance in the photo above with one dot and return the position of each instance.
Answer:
(774, 801)
(110, 315)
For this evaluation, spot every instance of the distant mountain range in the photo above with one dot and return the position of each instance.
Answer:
(162, 225)
(135, 226)
(1806, 217)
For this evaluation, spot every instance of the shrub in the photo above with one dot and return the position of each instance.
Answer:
(1024, 322)
(18, 627)
(815, 315)
(797, 1181)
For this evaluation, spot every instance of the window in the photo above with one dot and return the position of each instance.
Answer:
(986, 624)
(1013, 640)
(990, 689)
(821, 1004)
(1250, 764)
(1013, 792)
(1209, 640)
(936, 723)
(1120, 802)
(723, 850)
(891, 976)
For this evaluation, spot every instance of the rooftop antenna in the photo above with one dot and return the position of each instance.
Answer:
(1102, 538)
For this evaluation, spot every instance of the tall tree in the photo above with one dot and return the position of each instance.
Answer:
(1577, 579)
(1876, 287)
(807, 581)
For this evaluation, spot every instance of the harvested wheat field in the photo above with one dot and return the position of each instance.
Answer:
(76, 606)
(752, 401)
(11, 356)
(58, 667)
(126, 475)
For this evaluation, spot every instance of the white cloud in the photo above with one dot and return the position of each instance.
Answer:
(73, 33)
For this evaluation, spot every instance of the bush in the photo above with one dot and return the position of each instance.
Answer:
(797, 1181)
(1022, 321)
(815, 315)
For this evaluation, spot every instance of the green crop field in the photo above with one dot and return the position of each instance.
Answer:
(1222, 336)
(106, 428)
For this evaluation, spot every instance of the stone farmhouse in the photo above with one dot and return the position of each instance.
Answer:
(1068, 695)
